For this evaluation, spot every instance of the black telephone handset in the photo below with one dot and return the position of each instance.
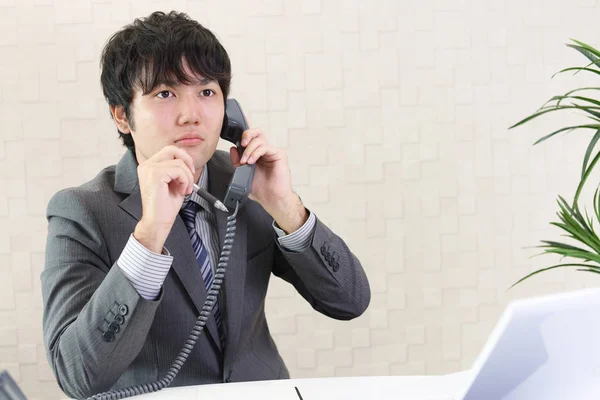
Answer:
(234, 124)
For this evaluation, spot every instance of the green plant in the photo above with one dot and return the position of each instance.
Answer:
(577, 225)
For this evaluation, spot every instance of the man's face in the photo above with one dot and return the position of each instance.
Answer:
(188, 116)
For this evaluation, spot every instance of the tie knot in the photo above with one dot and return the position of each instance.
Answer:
(188, 214)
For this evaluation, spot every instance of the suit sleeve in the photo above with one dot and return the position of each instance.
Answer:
(326, 274)
(95, 322)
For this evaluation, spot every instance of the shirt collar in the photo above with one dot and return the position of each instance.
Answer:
(203, 183)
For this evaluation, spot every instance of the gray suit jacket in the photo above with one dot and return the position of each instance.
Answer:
(83, 289)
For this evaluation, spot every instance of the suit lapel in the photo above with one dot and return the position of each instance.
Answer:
(235, 274)
(187, 269)
(178, 242)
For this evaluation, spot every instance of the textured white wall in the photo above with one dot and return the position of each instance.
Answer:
(395, 116)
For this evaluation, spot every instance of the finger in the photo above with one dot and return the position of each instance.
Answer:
(190, 181)
(179, 171)
(253, 145)
(187, 159)
(174, 153)
(181, 188)
(235, 156)
(185, 163)
(180, 181)
(258, 153)
(248, 135)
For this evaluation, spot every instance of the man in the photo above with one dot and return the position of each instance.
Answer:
(130, 254)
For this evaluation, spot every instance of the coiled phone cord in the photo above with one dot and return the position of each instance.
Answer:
(209, 303)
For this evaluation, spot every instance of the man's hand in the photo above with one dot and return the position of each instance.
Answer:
(272, 185)
(165, 179)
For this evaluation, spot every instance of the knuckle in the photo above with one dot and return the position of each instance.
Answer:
(182, 164)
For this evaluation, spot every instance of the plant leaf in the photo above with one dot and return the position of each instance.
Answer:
(578, 69)
(568, 128)
(574, 224)
(586, 99)
(593, 118)
(569, 93)
(584, 178)
(581, 89)
(539, 113)
(553, 267)
(587, 53)
(588, 152)
(567, 96)
(596, 205)
(590, 52)
(585, 256)
(589, 270)
(574, 217)
(590, 223)
(560, 245)
(588, 109)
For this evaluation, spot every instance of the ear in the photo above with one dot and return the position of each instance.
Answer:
(118, 114)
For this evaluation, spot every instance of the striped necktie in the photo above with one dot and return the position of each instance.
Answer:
(188, 214)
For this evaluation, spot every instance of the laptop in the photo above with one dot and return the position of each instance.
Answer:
(542, 348)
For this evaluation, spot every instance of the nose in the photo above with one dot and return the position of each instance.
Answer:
(189, 111)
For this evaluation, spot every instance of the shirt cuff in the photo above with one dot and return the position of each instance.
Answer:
(300, 239)
(145, 269)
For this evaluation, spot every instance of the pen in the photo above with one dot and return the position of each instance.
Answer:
(210, 198)
(298, 392)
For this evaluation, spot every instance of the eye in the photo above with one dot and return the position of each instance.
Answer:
(164, 94)
(207, 92)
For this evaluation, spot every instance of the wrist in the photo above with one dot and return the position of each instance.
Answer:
(150, 236)
(289, 213)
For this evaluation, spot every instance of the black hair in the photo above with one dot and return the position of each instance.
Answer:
(150, 52)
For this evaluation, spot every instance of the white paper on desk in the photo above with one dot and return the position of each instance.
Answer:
(264, 390)
(443, 387)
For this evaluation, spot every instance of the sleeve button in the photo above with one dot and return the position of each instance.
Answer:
(119, 319)
(114, 327)
(123, 310)
(108, 336)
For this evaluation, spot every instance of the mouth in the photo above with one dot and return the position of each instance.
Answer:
(189, 142)
(189, 139)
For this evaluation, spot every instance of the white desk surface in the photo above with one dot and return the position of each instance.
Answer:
(442, 387)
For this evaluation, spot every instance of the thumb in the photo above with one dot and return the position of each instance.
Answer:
(235, 156)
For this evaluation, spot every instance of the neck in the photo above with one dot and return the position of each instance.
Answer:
(198, 173)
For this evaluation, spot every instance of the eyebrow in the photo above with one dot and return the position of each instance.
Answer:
(203, 81)
(192, 81)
